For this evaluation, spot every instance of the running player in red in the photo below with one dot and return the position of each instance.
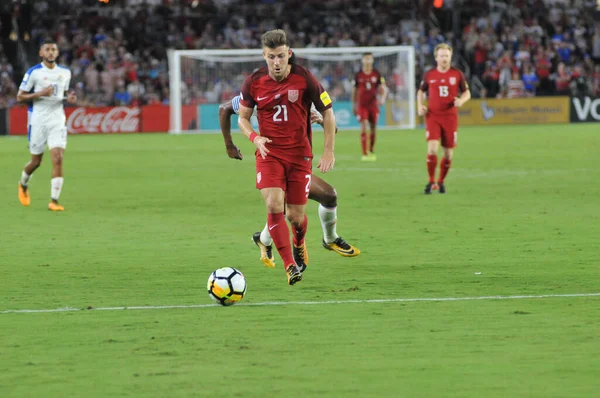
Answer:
(282, 94)
(320, 191)
(448, 91)
(367, 84)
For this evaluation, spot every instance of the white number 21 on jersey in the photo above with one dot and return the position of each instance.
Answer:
(443, 91)
(279, 110)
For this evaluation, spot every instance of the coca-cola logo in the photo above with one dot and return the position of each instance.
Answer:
(119, 119)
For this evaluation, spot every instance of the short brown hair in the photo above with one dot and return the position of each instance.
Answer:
(442, 46)
(275, 38)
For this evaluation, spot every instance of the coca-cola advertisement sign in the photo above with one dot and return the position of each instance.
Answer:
(119, 119)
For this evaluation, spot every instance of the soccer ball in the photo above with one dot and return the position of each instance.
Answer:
(226, 286)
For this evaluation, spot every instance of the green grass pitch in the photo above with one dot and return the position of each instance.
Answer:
(150, 216)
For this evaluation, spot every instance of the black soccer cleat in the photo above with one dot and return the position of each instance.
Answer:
(441, 187)
(301, 256)
(293, 274)
(341, 247)
(266, 252)
(428, 188)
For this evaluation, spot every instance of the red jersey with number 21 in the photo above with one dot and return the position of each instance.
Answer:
(283, 109)
(442, 88)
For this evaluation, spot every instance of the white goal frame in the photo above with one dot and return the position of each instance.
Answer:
(174, 58)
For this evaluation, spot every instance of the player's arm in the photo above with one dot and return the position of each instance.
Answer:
(69, 95)
(316, 117)
(329, 126)
(24, 96)
(246, 127)
(465, 92)
(423, 87)
(225, 113)
(462, 98)
(421, 107)
(354, 96)
(383, 91)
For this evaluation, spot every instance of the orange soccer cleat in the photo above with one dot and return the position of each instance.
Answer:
(54, 206)
(24, 195)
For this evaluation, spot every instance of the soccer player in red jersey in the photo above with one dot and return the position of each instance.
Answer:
(283, 93)
(320, 191)
(367, 84)
(448, 90)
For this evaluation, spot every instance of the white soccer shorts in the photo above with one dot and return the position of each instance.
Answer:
(54, 135)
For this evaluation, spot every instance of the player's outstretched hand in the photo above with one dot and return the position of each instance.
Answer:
(327, 161)
(71, 98)
(47, 91)
(234, 152)
(457, 102)
(422, 110)
(261, 143)
(315, 117)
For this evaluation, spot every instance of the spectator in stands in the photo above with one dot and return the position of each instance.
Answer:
(562, 80)
(127, 37)
(515, 87)
(122, 96)
(530, 80)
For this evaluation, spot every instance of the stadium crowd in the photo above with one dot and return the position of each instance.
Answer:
(117, 50)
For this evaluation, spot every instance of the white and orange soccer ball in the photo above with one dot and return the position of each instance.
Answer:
(226, 286)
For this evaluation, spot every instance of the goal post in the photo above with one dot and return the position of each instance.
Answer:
(202, 79)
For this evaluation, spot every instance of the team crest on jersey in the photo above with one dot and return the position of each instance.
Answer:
(293, 95)
(374, 79)
(452, 81)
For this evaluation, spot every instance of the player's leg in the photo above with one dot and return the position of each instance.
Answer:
(57, 141)
(433, 136)
(264, 242)
(271, 180)
(363, 118)
(326, 196)
(373, 117)
(298, 189)
(37, 144)
(449, 142)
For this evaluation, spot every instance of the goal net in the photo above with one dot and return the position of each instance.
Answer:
(202, 79)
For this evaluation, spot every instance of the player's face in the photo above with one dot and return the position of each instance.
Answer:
(367, 61)
(443, 57)
(49, 53)
(277, 60)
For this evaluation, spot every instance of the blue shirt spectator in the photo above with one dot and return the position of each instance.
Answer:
(530, 80)
(122, 97)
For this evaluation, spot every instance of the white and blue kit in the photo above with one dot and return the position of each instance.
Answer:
(47, 121)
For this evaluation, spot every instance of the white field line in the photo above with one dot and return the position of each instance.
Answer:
(274, 303)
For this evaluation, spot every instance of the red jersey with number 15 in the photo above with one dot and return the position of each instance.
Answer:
(367, 85)
(283, 109)
(442, 88)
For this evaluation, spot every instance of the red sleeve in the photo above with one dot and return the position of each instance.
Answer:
(317, 93)
(246, 98)
(424, 86)
(462, 82)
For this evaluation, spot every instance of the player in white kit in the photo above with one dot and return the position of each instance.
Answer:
(45, 87)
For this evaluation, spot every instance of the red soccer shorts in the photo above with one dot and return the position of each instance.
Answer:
(293, 178)
(442, 128)
(368, 113)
